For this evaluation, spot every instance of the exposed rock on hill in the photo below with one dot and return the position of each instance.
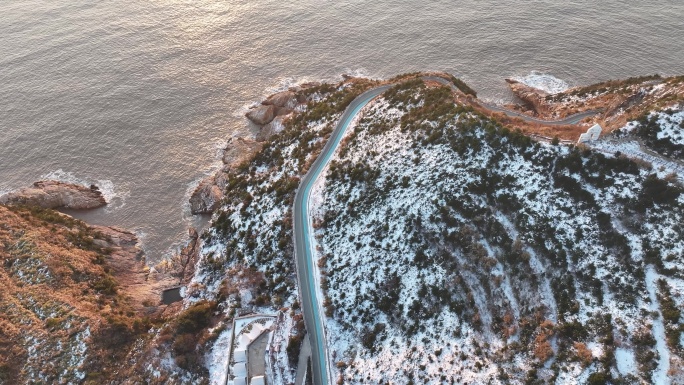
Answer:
(209, 193)
(127, 262)
(534, 99)
(262, 115)
(284, 99)
(207, 196)
(270, 129)
(239, 150)
(54, 194)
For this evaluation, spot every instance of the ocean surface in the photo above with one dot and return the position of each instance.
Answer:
(139, 96)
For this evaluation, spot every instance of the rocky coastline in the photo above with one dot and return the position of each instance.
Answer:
(270, 116)
(52, 194)
(124, 252)
(616, 101)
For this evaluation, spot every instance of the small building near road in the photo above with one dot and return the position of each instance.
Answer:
(248, 349)
(592, 134)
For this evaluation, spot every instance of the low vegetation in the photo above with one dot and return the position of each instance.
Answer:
(62, 317)
(441, 230)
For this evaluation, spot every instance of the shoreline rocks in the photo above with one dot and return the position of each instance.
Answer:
(51, 194)
(207, 196)
(270, 116)
(533, 98)
(262, 115)
(285, 99)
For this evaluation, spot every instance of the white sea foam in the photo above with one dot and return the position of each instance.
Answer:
(544, 82)
(281, 84)
(142, 237)
(284, 84)
(114, 195)
(358, 73)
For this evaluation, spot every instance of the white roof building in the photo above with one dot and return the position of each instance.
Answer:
(240, 381)
(258, 380)
(592, 133)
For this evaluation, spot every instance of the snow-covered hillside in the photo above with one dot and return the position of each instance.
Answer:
(247, 258)
(456, 251)
(663, 131)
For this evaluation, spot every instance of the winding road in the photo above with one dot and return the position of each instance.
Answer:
(308, 290)
(570, 120)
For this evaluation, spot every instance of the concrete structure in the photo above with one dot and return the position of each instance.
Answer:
(240, 355)
(240, 369)
(592, 134)
(246, 330)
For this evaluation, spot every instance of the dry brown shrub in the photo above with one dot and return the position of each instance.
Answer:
(542, 346)
(583, 353)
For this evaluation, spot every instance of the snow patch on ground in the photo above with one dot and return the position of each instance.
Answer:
(660, 373)
(626, 362)
(217, 362)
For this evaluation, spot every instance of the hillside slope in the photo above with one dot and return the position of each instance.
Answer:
(454, 250)
(64, 317)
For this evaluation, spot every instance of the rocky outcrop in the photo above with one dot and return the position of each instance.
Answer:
(127, 262)
(533, 98)
(209, 193)
(270, 115)
(284, 100)
(206, 197)
(239, 150)
(270, 129)
(263, 114)
(52, 194)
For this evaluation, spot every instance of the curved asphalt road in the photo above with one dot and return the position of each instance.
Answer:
(305, 268)
(572, 119)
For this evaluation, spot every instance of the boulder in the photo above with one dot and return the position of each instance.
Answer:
(262, 115)
(286, 99)
(283, 111)
(206, 197)
(54, 194)
(534, 99)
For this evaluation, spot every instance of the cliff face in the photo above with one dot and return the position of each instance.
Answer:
(534, 99)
